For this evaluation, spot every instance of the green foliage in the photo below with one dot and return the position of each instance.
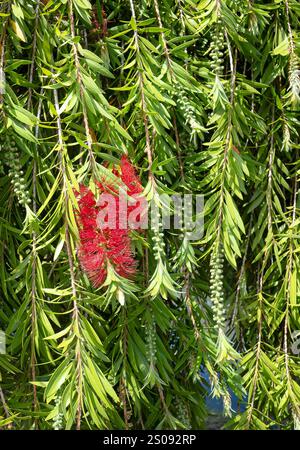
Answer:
(204, 98)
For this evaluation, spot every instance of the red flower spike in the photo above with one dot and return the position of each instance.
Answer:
(100, 246)
(129, 177)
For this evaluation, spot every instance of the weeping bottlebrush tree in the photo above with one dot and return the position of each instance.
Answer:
(110, 328)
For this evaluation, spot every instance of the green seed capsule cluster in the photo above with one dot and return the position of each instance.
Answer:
(217, 48)
(188, 224)
(151, 341)
(58, 419)
(294, 77)
(185, 106)
(183, 414)
(216, 286)
(159, 245)
(15, 172)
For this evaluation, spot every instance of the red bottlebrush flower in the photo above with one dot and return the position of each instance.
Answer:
(129, 177)
(135, 188)
(101, 245)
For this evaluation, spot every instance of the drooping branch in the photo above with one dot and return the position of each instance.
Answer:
(81, 87)
(142, 93)
(75, 315)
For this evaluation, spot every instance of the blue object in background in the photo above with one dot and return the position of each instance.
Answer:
(215, 405)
